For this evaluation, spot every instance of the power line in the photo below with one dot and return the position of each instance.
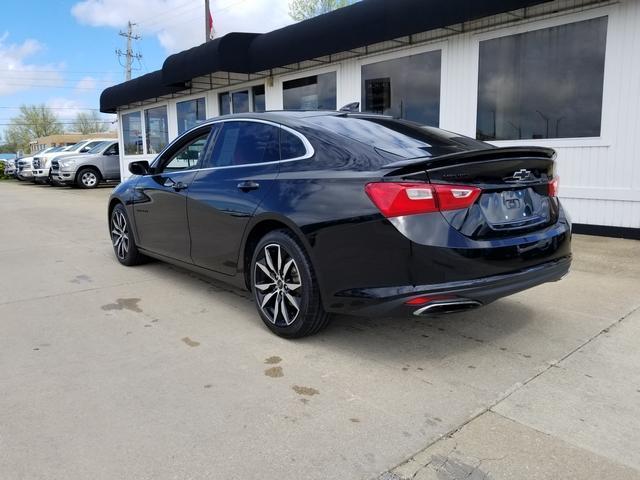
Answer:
(56, 71)
(42, 85)
(30, 77)
(160, 24)
(54, 108)
(57, 123)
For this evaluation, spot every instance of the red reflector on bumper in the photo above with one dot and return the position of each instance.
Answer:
(424, 300)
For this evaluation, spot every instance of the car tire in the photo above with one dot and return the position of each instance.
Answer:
(88, 178)
(124, 245)
(285, 287)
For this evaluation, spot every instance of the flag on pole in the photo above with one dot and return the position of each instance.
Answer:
(212, 31)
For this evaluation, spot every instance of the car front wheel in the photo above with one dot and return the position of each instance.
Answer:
(124, 245)
(285, 287)
(88, 178)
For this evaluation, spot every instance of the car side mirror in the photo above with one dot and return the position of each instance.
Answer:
(84, 149)
(140, 167)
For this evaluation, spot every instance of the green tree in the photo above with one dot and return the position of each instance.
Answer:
(6, 147)
(302, 9)
(32, 122)
(90, 122)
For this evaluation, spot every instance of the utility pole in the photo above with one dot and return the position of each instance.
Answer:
(129, 55)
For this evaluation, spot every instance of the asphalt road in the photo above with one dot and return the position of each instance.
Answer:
(109, 372)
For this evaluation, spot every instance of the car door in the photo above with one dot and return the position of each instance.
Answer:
(110, 160)
(239, 172)
(160, 203)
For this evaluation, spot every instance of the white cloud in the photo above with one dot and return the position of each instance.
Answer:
(180, 24)
(84, 84)
(66, 110)
(17, 74)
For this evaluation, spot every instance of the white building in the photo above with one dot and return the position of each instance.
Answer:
(563, 74)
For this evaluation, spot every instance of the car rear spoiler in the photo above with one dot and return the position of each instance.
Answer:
(469, 156)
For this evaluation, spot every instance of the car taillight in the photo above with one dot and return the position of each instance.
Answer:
(394, 199)
(553, 187)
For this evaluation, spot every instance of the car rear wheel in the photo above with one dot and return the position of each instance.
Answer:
(88, 178)
(285, 287)
(124, 245)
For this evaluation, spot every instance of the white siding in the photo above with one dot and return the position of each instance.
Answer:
(599, 177)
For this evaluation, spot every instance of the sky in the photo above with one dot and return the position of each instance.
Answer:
(62, 52)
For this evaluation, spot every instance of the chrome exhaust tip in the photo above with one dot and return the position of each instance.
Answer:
(447, 307)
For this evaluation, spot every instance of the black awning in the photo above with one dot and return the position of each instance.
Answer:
(141, 88)
(225, 54)
(366, 23)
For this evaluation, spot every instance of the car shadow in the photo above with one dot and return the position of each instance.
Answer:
(403, 339)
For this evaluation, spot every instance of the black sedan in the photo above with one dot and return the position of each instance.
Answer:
(331, 212)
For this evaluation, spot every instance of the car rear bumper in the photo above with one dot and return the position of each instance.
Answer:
(419, 299)
(447, 269)
(392, 301)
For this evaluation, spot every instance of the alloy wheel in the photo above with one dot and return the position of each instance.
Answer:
(89, 179)
(278, 286)
(119, 234)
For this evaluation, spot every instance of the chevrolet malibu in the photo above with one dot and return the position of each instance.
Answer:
(330, 212)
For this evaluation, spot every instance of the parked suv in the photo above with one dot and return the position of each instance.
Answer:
(42, 161)
(101, 163)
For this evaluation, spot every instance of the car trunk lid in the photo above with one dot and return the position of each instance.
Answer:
(514, 182)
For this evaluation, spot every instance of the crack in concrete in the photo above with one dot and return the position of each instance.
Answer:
(491, 406)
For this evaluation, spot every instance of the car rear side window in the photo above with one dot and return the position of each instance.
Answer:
(400, 137)
(291, 146)
(245, 143)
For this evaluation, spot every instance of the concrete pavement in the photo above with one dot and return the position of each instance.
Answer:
(151, 372)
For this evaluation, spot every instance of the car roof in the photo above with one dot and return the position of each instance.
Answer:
(285, 117)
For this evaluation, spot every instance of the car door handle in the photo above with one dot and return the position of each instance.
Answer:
(248, 186)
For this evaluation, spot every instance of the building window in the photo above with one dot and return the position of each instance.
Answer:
(132, 133)
(542, 84)
(155, 123)
(259, 104)
(190, 113)
(317, 92)
(224, 99)
(241, 102)
(407, 87)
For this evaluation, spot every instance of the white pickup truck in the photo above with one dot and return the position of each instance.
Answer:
(42, 161)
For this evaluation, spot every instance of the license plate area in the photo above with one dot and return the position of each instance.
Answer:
(515, 209)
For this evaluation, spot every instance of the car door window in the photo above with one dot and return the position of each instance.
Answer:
(112, 150)
(188, 156)
(245, 143)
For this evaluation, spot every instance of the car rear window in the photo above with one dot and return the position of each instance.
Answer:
(290, 146)
(398, 137)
